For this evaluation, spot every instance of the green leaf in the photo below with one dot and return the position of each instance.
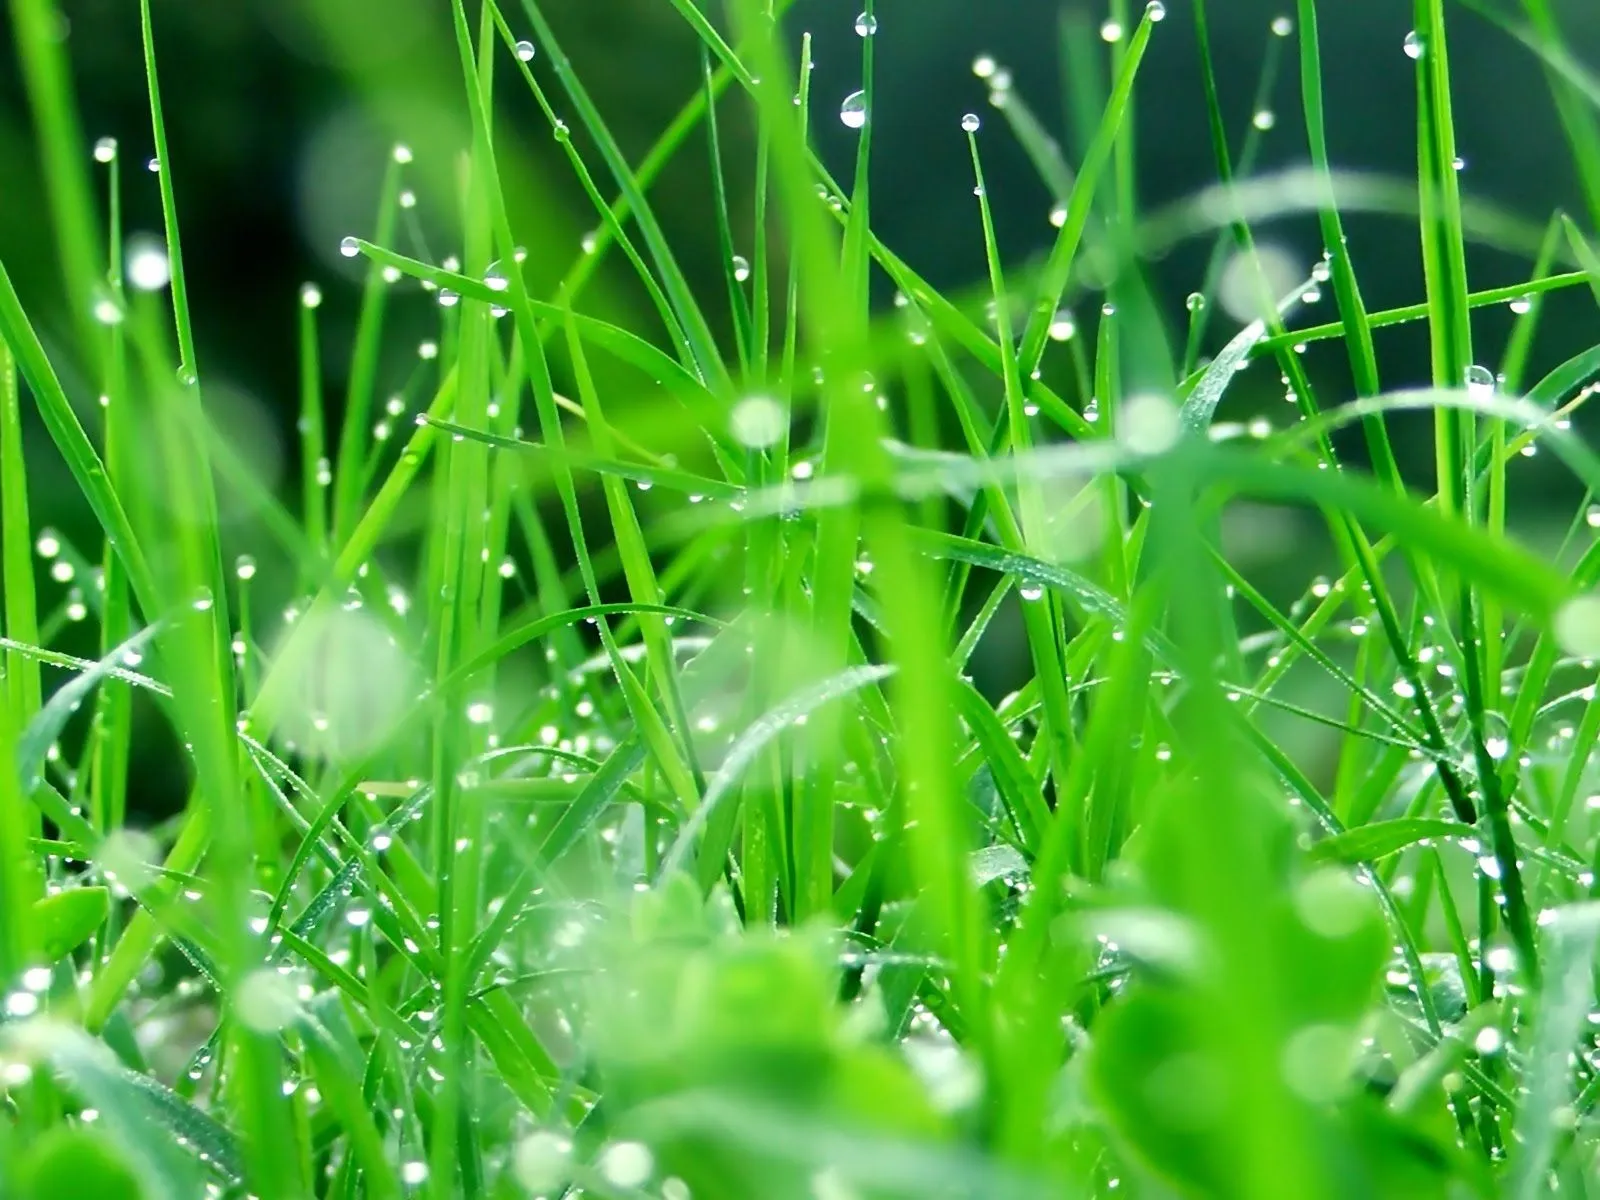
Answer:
(1368, 843)
(71, 1162)
(63, 922)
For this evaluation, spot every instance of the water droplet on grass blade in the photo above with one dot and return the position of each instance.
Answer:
(984, 66)
(1413, 45)
(866, 25)
(627, 1164)
(1264, 119)
(265, 1001)
(1577, 626)
(758, 421)
(741, 268)
(853, 112)
(1155, 11)
(349, 247)
(1282, 26)
(310, 295)
(1111, 31)
(107, 311)
(148, 268)
(526, 50)
(970, 123)
(1479, 380)
(1149, 424)
(105, 150)
(542, 1161)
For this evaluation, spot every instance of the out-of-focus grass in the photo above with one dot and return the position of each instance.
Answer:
(589, 794)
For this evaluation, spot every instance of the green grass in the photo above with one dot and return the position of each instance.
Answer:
(588, 792)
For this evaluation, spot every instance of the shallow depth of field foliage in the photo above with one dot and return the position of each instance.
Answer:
(587, 788)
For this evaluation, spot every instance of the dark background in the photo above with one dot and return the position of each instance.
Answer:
(281, 115)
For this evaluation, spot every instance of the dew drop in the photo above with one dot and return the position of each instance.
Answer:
(853, 112)
(1264, 119)
(105, 150)
(1282, 27)
(310, 295)
(526, 50)
(1413, 45)
(1155, 11)
(1111, 31)
(866, 25)
(970, 123)
(758, 421)
(349, 247)
(741, 268)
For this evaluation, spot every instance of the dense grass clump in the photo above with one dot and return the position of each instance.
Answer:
(587, 789)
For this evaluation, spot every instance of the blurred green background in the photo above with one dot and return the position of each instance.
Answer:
(282, 114)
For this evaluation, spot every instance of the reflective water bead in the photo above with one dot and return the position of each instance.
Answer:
(866, 25)
(526, 50)
(853, 112)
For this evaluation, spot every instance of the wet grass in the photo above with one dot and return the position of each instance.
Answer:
(588, 788)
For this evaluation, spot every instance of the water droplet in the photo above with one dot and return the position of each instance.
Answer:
(265, 1001)
(758, 421)
(148, 267)
(1058, 215)
(448, 299)
(1196, 302)
(741, 268)
(480, 712)
(1155, 11)
(970, 123)
(1479, 380)
(105, 150)
(414, 1172)
(1282, 26)
(428, 350)
(1489, 1040)
(853, 112)
(1577, 626)
(408, 199)
(1264, 119)
(984, 66)
(244, 568)
(153, 166)
(1148, 424)
(1413, 45)
(866, 25)
(542, 1161)
(526, 50)
(349, 247)
(107, 311)
(1062, 327)
(1111, 31)
(310, 295)
(1522, 305)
